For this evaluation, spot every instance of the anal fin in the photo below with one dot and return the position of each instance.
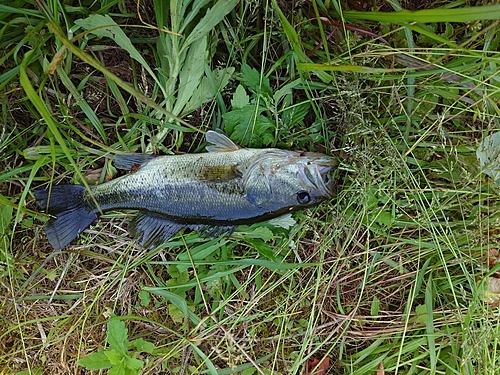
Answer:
(152, 229)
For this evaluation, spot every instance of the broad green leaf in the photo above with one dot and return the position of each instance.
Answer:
(384, 218)
(260, 232)
(252, 79)
(32, 371)
(142, 345)
(113, 356)
(95, 361)
(211, 84)
(117, 336)
(175, 314)
(247, 127)
(5, 218)
(120, 369)
(240, 98)
(488, 154)
(284, 221)
(243, 117)
(375, 308)
(191, 73)
(421, 312)
(133, 363)
(178, 276)
(210, 20)
(145, 298)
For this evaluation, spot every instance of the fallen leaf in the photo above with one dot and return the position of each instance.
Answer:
(493, 257)
(320, 366)
(381, 369)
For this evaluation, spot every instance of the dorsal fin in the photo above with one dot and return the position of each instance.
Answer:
(129, 161)
(220, 143)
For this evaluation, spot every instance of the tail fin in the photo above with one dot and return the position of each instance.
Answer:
(72, 214)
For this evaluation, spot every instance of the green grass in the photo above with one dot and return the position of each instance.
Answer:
(393, 275)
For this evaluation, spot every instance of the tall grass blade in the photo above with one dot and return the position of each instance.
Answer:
(466, 14)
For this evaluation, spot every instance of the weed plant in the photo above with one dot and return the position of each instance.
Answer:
(396, 275)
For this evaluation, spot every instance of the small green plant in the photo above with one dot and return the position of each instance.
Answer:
(118, 358)
(255, 118)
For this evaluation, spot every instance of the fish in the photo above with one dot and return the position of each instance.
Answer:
(210, 192)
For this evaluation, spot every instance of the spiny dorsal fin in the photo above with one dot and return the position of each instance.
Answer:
(220, 143)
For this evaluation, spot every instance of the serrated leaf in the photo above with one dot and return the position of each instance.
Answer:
(95, 361)
(133, 363)
(252, 79)
(144, 297)
(247, 127)
(208, 88)
(143, 345)
(120, 369)
(240, 98)
(179, 276)
(113, 356)
(284, 221)
(385, 218)
(244, 115)
(175, 314)
(260, 232)
(117, 336)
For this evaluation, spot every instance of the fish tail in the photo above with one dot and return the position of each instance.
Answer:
(72, 212)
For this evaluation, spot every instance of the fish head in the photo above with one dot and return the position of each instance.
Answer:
(285, 181)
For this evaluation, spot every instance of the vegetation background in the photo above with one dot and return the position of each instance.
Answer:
(397, 275)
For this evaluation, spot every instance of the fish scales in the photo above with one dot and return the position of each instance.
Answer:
(170, 185)
(210, 192)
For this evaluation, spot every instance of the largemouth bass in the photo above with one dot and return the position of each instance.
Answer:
(210, 192)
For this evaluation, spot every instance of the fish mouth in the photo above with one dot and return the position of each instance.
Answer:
(317, 175)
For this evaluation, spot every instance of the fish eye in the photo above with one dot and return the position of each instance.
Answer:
(303, 197)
